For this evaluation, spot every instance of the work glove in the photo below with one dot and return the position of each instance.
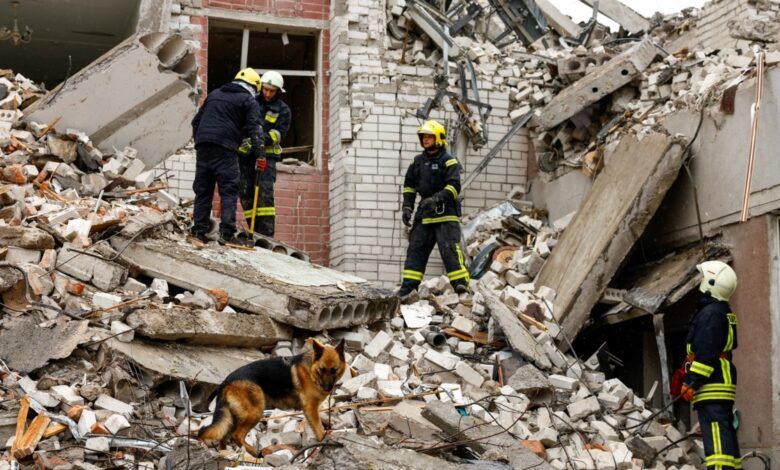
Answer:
(427, 204)
(406, 217)
(245, 147)
(687, 393)
(261, 164)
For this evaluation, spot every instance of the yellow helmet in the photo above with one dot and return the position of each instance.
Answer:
(718, 279)
(250, 76)
(431, 127)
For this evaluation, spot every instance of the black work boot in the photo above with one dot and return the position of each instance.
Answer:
(198, 235)
(461, 289)
(225, 238)
(407, 296)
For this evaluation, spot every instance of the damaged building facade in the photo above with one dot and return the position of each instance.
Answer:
(633, 151)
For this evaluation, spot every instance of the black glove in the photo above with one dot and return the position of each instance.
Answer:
(429, 203)
(406, 217)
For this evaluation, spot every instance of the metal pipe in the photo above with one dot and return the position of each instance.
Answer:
(753, 135)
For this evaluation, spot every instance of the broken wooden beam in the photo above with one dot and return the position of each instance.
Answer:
(21, 422)
(32, 437)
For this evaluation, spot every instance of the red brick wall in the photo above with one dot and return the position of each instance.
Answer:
(312, 9)
(302, 201)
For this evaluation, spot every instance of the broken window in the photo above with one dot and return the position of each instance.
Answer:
(295, 56)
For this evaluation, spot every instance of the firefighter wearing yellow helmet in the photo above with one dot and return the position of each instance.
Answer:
(275, 123)
(435, 175)
(228, 115)
(711, 380)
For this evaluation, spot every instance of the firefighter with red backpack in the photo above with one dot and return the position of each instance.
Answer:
(710, 378)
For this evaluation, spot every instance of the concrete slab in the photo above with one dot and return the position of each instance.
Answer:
(621, 14)
(25, 347)
(206, 364)
(25, 237)
(518, 336)
(209, 327)
(619, 71)
(481, 437)
(286, 289)
(624, 198)
(560, 22)
(153, 116)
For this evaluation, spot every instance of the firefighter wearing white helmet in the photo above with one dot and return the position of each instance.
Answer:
(435, 175)
(711, 381)
(275, 123)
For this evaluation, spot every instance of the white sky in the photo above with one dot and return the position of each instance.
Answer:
(581, 12)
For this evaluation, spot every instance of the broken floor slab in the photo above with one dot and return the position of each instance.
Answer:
(480, 436)
(361, 452)
(205, 364)
(25, 346)
(621, 14)
(286, 289)
(25, 237)
(606, 79)
(208, 327)
(623, 200)
(153, 116)
(518, 336)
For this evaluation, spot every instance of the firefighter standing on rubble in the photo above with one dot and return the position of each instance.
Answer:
(274, 125)
(711, 381)
(435, 175)
(229, 114)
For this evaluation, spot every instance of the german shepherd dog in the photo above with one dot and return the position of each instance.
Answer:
(299, 382)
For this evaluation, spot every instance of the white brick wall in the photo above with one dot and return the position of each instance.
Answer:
(181, 172)
(373, 140)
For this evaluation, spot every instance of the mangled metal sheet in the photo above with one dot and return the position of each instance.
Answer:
(141, 93)
(663, 283)
(623, 200)
(286, 289)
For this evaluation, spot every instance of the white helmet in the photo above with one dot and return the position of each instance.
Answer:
(718, 279)
(273, 78)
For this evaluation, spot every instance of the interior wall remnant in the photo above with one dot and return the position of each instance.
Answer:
(153, 16)
(756, 354)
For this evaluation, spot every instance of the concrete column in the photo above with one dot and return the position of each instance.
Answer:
(153, 16)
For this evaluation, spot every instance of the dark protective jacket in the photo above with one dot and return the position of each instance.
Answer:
(274, 116)
(229, 114)
(711, 339)
(436, 176)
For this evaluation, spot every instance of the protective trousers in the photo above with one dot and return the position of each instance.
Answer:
(266, 210)
(721, 448)
(215, 165)
(421, 240)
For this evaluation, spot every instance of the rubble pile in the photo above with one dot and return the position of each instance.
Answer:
(542, 76)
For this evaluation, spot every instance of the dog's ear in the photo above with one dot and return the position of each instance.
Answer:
(340, 349)
(318, 349)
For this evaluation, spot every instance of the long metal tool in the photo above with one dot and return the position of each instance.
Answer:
(753, 134)
(494, 151)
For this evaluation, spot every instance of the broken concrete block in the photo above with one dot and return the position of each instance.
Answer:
(367, 393)
(466, 347)
(64, 149)
(529, 380)
(583, 408)
(467, 373)
(464, 325)
(563, 382)
(547, 436)
(390, 388)
(607, 432)
(144, 179)
(98, 444)
(640, 448)
(25, 347)
(25, 237)
(67, 395)
(377, 345)
(356, 383)
(382, 371)
(22, 255)
(362, 364)
(105, 402)
(442, 360)
(116, 423)
(86, 421)
(122, 332)
(514, 278)
(105, 301)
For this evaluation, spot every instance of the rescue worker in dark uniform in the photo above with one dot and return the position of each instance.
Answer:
(711, 381)
(275, 122)
(435, 176)
(229, 114)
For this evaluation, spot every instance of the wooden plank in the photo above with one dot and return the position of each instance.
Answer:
(32, 437)
(21, 422)
(621, 14)
(54, 429)
(518, 336)
(621, 203)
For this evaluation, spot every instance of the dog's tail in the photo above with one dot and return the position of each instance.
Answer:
(220, 425)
